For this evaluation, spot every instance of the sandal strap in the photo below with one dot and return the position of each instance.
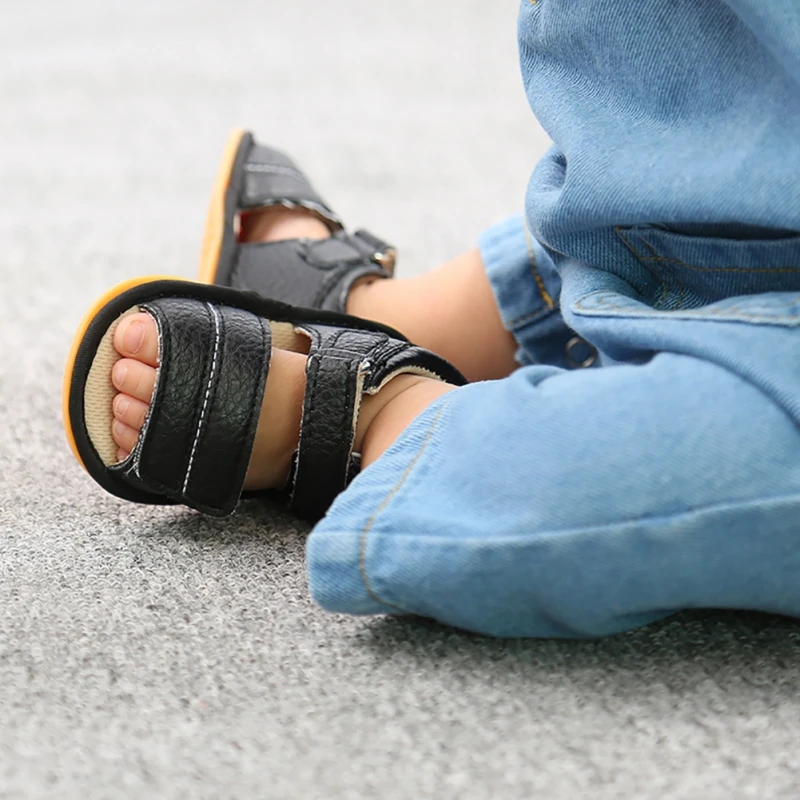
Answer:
(214, 352)
(315, 273)
(343, 365)
(272, 178)
(197, 439)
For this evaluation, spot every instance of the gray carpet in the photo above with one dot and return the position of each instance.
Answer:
(151, 653)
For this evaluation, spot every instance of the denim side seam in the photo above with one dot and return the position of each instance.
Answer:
(549, 305)
(362, 549)
(548, 300)
(523, 293)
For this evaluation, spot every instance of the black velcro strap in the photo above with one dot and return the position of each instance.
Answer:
(311, 273)
(343, 365)
(272, 178)
(338, 364)
(198, 437)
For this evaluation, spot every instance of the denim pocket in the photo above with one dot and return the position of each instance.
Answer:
(770, 308)
(695, 271)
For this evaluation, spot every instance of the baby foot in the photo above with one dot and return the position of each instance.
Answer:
(382, 419)
(134, 377)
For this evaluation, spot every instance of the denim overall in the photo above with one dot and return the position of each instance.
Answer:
(645, 458)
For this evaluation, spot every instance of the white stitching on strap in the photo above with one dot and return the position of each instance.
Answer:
(275, 169)
(207, 397)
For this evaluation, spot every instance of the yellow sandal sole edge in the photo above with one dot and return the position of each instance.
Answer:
(209, 260)
(80, 333)
(215, 218)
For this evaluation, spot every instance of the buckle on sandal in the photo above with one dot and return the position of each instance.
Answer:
(383, 254)
(386, 259)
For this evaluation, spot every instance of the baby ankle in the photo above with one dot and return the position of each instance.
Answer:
(387, 414)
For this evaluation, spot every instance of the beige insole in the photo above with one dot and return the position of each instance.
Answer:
(285, 338)
(99, 394)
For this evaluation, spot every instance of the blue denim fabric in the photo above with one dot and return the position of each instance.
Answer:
(583, 502)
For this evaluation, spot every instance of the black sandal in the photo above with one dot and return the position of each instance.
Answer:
(312, 273)
(215, 345)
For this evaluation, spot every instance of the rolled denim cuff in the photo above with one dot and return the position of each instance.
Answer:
(526, 287)
(346, 565)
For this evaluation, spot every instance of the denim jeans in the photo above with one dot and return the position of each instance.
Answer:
(645, 458)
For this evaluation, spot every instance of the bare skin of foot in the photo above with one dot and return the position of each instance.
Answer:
(450, 311)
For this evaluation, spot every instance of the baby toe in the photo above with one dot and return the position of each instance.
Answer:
(131, 411)
(124, 435)
(136, 337)
(133, 378)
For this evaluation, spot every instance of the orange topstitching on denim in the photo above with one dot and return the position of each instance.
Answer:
(537, 277)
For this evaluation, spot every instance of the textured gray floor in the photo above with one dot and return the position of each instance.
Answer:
(151, 653)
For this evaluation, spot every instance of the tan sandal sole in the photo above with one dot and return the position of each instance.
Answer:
(215, 219)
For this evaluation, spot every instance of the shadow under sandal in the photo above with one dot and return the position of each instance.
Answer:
(214, 355)
(314, 273)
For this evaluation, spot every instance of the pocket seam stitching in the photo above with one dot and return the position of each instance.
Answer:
(782, 320)
(662, 279)
(656, 257)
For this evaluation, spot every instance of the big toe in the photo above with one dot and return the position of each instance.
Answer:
(136, 337)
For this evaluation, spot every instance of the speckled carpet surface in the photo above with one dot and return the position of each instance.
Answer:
(150, 653)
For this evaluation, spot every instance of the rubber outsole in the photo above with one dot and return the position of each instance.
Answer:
(115, 302)
(219, 236)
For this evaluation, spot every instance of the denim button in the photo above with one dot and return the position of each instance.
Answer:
(580, 353)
